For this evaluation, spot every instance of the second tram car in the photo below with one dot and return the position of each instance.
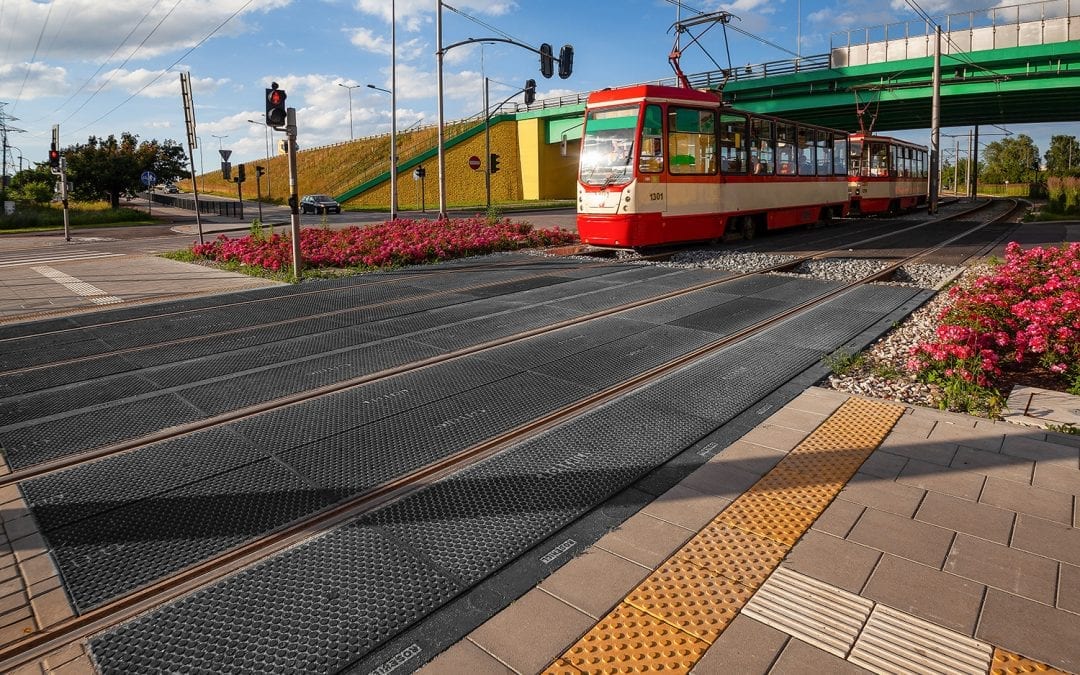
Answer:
(663, 165)
(887, 174)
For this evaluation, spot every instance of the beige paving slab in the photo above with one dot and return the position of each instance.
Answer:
(1041, 407)
(595, 581)
(914, 447)
(971, 517)
(839, 517)
(965, 434)
(942, 479)
(1069, 589)
(1047, 538)
(1032, 629)
(1060, 476)
(645, 540)
(799, 658)
(1034, 501)
(903, 537)
(834, 560)
(686, 507)
(883, 494)
(994, 465)
(746, 646)
(939, 597)
(532, 631)
(1035, 447)
(1009, 569)
(777, 438)
(465, 657)
(883, 465)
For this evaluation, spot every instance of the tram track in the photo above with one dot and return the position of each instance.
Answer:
(216, 568)
(92, 454)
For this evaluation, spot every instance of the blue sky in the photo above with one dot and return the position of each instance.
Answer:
(100, 68)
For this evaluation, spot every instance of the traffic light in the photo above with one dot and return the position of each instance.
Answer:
(241, 175)
(275, 106)
(259, 171)
(419, 172)
(547, 60)
(566, 61)
(493, 163)
(54, 158)
(530, 92)
(226, 171)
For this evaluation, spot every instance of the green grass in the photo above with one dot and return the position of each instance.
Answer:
(45, 218)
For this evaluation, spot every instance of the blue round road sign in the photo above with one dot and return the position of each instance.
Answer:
(148, 178)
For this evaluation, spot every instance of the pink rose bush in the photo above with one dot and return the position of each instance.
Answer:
(398, 242)
(1023, 316)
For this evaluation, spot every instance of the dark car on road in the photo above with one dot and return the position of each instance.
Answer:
(319, 204)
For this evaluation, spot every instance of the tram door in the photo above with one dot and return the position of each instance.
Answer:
(651, 161)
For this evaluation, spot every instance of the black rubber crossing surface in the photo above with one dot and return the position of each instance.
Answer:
(123, 522)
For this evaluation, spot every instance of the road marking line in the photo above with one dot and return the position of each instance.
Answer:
(66, 257)
(89, 291)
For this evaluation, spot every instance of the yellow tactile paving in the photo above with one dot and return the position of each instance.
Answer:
(690, 598)
(1007, 663)
(768, 517)
(629, 640)
(668, 621)
(740, 556)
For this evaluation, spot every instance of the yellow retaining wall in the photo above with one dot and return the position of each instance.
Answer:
(545, 173)
(464, 186)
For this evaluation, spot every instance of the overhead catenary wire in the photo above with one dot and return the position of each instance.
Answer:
(33, 58)
(170, 67)
(109, 59)
(125, 61)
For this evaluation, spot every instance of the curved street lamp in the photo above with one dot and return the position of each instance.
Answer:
(350, 87)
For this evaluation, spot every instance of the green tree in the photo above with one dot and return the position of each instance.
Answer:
(1011, 159)
(33, 185)
(109, 167)
(1063, 157)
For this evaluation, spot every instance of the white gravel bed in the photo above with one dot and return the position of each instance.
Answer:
(732, 261)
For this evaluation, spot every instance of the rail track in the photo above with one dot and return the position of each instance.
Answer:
(212, 569)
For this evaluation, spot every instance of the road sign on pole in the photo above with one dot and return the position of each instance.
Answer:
(148, 178)
(225, 154)
(474, 162)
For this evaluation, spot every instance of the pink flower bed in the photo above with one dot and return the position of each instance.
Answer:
(398, 242)
(1023, 316)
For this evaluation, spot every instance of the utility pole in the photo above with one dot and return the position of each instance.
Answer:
(935, 126)
(294, 198)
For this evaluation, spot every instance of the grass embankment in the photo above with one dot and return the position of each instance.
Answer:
(82, 215)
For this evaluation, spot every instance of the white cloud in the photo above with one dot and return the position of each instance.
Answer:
(34, 80)
(92, 30)
(412, 15)
(154, 83)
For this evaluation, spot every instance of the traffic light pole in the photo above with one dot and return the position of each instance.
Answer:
(294, 197)
(63, 197)
(487, 135)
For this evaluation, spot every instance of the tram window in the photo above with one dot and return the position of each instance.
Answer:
(857, 163)
(824, 152)
(840, 155)
(733, 143)
(652, 140)
(691, 141)
(807, 164)
(892, 161)
(607, 149)
(762, 147)
(879, 159)
(785, 148)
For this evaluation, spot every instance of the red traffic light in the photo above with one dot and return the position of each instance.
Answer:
(54, 159)
(276, 115)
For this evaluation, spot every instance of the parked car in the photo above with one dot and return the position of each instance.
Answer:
(319, 204)
(171, 188)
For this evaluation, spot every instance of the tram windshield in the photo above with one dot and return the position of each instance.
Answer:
(607, 152)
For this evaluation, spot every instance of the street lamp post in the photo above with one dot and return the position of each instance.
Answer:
(266, 142)
(202, 164)
(219, 139)
(393, 149)
(350, 87)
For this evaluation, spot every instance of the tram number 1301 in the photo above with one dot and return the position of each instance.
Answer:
(656, 196)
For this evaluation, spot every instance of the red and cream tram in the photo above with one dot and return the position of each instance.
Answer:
(661, 165)
(887, 174)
